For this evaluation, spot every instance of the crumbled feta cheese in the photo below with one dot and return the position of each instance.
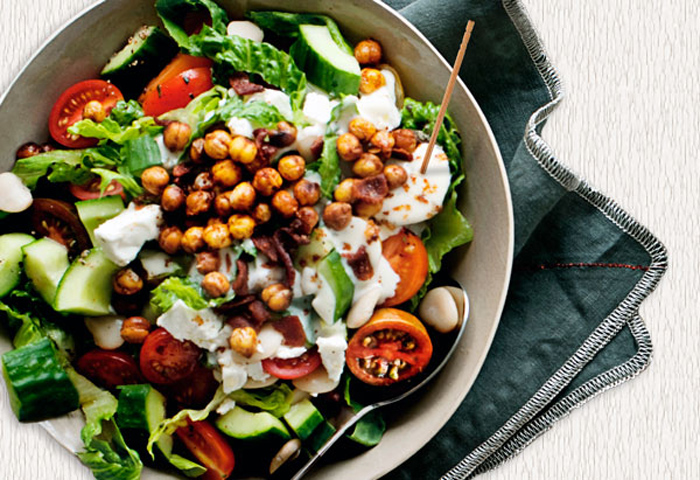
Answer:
(290, 352)
(202, 327)
(317, 108)
(122, 237)
(233, 374)
(240, 126)
(226, 406)
(306, 138)
(158, 264)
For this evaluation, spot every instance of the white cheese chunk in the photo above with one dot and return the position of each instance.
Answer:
(306, 138)
(332, 344)
(122, 237)
(202, 327)
(233, 374)
(245, 29)
(317, 108)
(240, 126)
(158, 264)
(379, 107)
(290, 352)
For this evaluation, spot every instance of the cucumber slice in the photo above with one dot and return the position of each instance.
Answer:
(320, 436)
(313, 252)
(245, 425)
(303, 418)
(95, 212)
(148, 43)
(10, 258)
(38, 386)
(45, 262)
(86, 287)
(324, 62)
(333, 273)
(142, 408)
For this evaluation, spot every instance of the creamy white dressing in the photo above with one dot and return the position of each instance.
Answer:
(261, 273)
(379, 107)
(331, 342)
(168, 158)
(122, 237)
(276, 98)
(306, 136)
(317, 108)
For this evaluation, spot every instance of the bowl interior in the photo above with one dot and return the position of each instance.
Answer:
(483, 267)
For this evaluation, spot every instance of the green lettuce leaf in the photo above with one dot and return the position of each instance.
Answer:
(368, 431)
(173, 12)
(141, 153)
(172, 289)
(127, 181)
(328, 166)
(124, 113)
(110, 129)
(66, 163)
(277, 400)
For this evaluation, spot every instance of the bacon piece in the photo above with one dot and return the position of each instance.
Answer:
(359, 262)
(242, 321)
(240, 284)
(259, 312)
(402, 154)
(241, 83)
(266, 246)
(285, 257)
(292, 330)
(372, 189)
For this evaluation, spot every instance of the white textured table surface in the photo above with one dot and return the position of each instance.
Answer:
(630, 125)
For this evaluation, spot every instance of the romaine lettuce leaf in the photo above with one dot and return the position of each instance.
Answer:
(110, 129)
(125, 179)
(141, 153)
(276, 400)
(328, 166)
(124, 113)
(172, 289)
(173, 12)
(368, 431)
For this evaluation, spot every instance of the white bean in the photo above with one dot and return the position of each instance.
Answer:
(289, 450)
(16, 197)
(362, 310)
(245, 29)
(439, 310)
(106, 331)
(316, 382)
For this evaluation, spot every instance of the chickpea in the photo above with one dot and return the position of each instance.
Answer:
(173, 198)
(291, 167)
(362, 128)
(368, 52)
(262, 213)
(382, 143)
(193, 240)
(217, 144)
(395, 176)
(155, 179)
(203, 181)
(405, 139)
(198, 202)
(267, 181)
(176, 136)
(241, 226)
(217, 236)
(345, 191)
(349, 147)
(284, 135)
(242, 197)
(307, 192)
(47, 147)
(215, 284)
(368, 165)
(222, 204)
(243, 150)
(308, 217)
(169, 240)
(285, 203)
(277, 297)
(28, 150)
(93, 110)
(371, 79)
(127, 282)
(258, 163)
(135, 329)
(207, 262)
(337, 215)
(244, 341)
(226, 173)
(366, 209)
(197, 154)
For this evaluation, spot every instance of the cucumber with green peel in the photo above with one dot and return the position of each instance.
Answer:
(326, 65)
(45, 262)
(332, 271)
(86, 287)
(320, 436)
(142, 408)
(95, 212)
(303, 418)
(10, 259)
(313, 252)
(38, 386)
(244, 425)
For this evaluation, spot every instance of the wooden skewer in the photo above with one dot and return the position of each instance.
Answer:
(448, 94)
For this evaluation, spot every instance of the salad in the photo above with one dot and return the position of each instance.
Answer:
(222, 238)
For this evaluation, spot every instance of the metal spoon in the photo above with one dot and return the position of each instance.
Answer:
(441, 354)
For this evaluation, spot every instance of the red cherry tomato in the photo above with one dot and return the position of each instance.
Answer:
(408, 257)
(164, 359)
(109, 369)
(91, 190)
(68, 110)
(209, 447)
(393, 346)
(291, 368)
(195, 390)
(59, 221)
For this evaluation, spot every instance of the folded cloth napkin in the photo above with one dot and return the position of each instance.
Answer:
(570, 328)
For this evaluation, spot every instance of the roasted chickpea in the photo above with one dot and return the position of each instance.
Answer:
(226, 173)
(267, 181)
(285, 204)
(135, 329)
(222, 204)
(176, 136)
(307, 192)
(93, 110)
(207, 262)
(277, 297)
(382, 143)
(366, 209)
(169, 240)
(345, 191)
(368, 52)
(337, 215)
(395, 176)
(197, 154)
(284, 135)
(258, 163)
(362, 128)
(308, 217)
(193, 240)
(127, 282)
(28, 150)
(349, 147)
(244, 341)
(198, 202)
(217, 144)
(262, 213)
(203, 181)
(405, 139)
(155, 179)
(242, 197)
(241, 226)
(217, 236)
(371, 79)
(291, 167)
(243, 150)
(369, 164)
(173, 198)
(215, 284)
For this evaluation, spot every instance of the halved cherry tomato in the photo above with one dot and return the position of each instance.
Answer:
(291, 368)
(91, 190)
(164, 359)
(209, 447)
(109, 369)
(409, 259)
(195, 390)
(59, 221)
(177, 84)
(393, 346)
(68, 110)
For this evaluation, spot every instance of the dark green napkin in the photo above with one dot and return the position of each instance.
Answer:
(570, 328)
